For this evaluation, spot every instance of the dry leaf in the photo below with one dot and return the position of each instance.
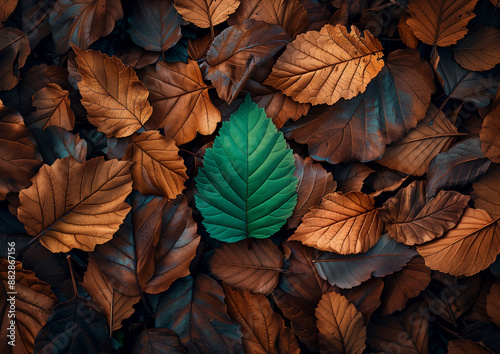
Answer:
(157, 167)
(255, 267)
(342, 223)
(479, 50)
(340, 324)
(466, 249)
(489, 135)
(53, 109)
(7, 7)
(441, 23)
(351, 177)
(181, 105)
(486, 194)
(493, 303)
(73, 205)
(465, 346)
(332, 64)
(14, 49)
(406, 33)
(115, 99)
(206, 13)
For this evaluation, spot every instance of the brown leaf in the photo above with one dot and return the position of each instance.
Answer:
(83, 22)
(157, 167)
(198, 48)
(404, 285)
(411, 220)
(14, 49)
(342, 223)
(406, 33)
(180, 100)
(441, 23)
(73, 205)
(365, 297)
(332, 64)
(289, 14)
(53, 109)
(314, 183)
(466, 249)
(406, 333)
(490, 131)
(263, 329)
(32, 304)
(486, 194)
(156, 340)
(206, 13)
(350, 177)
(465, 346)
(385, 180)
(413, 153)
(116, 306)
(7, 7)
(115, 99)
(340, 324)
(480, 49)
(493, 303)
(239, 51)
(18, 153)
(255, 267)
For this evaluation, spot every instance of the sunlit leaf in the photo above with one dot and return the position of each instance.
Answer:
(206, 13)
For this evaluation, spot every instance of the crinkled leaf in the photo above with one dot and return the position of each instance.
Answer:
(246, 186)
(73, 205)
(206, 13)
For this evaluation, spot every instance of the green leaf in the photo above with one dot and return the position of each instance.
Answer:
(246, 186)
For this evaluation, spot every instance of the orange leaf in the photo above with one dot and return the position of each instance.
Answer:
(180, 100)
(325, 66)
(7, 7)
(263, 329)
(406, 33)
(14, 49)
(206, 13)
(158, 169)
(73, 205)
(486, 194)
(18, 153)
(115, 99)
(441, 23)
(479, 50)
(53, 108)
(32, 305)
(493, 303)
(340, 324)
(466, 249)
(343, 223)
(490, 131)
(255, 268)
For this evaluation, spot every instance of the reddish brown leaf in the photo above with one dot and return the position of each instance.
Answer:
(156, 340)
(263, 330)
(342, 223)
(206, 13)
(181, 105)
(465, 346)
(385, 180)
(53, 109)
(314, 183)
(461, 250)
(158, 169)
(255, 267)
(404, 285)
(14, 49)
(7, 7)
(480, 49)
(32, 304)
(406, 33)
(18, 153)
(486, 193)
(493, 303)
(411, 220)
(198, 48)
(341, 327)
(116, 306)
(73, 205)
(490, 131)
(365, 297)
(115, 99)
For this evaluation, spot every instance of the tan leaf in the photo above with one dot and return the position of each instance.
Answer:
(73, 205)
(314, 183)
(7, 7)
(255, 267)
(115, 99)
(486, 194)
(480, 49)
(325, 66)
(340, 324)
(410, 220)
(263, 329)
(465, 346)
(404, 285)
(413, 153)
(493, 303)
(32, 305)
(158, 169)
(116, 306)
(289, 14)
(14, 49)
(18, 153)
(180, 100)
(490, 131)
(53, 109)
(466, 249)
(342, 223)
(206, 13)
(441, 23)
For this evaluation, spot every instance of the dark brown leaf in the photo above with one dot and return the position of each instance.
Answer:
(490, 131)
(14, 49)
(486, 194)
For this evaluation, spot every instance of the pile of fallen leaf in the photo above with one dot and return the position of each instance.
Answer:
(250, 176)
